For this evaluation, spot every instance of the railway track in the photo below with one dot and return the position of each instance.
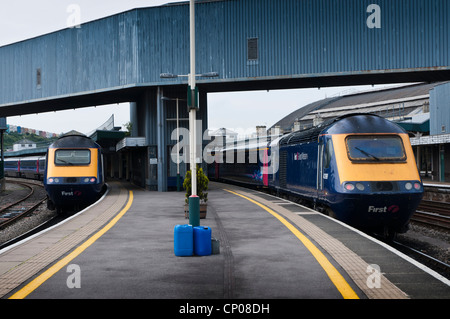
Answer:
(432, 213)
(24, 203)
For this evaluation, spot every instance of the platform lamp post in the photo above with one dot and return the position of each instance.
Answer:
(192, 102)
(192, 98)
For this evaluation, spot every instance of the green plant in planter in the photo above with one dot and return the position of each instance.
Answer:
(202, 185)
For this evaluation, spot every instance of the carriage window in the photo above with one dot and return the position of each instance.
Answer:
(375, 149)
(72, 157)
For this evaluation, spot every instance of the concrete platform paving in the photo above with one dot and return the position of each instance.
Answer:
(259, 256)
(135, 259)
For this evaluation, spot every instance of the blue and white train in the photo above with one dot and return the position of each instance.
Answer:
(357, 168)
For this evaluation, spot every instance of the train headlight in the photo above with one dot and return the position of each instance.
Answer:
(408, 186)
(349, 186)
(86, 180)
(360, 186)
(92, 180)
(416, 186)
(51, 180)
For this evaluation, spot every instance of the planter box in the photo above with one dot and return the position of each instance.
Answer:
(203, 209)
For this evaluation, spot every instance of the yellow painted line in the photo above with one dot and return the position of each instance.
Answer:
(341, 284)
(33, 285)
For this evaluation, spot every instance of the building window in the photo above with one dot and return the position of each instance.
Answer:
(252, 49)
(38, 78)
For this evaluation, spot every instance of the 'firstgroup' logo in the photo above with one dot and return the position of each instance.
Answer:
(73, 193)
(390, 209)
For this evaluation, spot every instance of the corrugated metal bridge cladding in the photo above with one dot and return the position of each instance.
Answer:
(298, 44)
(251, 44)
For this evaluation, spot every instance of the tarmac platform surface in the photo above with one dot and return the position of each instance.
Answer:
(123, 247)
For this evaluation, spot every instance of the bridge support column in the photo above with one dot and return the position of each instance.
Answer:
(134, 119)
(161, 141)
(155, 118)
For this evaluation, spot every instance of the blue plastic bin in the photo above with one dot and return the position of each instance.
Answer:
(183, 240)
(202, 241)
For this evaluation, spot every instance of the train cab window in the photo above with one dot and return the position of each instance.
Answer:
(375, 149)
(72, 157)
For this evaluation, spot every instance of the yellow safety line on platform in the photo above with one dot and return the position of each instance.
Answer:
(344, 288)
(35, 283)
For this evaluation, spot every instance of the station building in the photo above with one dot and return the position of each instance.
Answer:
(421, 109)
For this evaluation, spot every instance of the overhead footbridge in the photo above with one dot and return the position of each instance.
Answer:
(251, 45)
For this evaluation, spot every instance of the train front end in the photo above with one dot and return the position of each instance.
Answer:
(73, 175)
(379, 186)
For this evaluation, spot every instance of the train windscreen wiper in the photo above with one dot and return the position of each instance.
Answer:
(367, 154)
(65, 162)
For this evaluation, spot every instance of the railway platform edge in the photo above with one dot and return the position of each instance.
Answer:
(250, 260)
(22, 261)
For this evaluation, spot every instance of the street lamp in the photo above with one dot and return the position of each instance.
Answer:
(192, 101)
(194, 201)
(174, 76)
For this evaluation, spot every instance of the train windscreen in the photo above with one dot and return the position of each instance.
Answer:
(375, 148)
(72, 157)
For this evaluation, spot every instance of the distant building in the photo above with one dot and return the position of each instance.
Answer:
(23, 145)
(23, 130)
(226, 134)
(423, 110)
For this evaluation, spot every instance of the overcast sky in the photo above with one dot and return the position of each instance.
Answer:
(240, 111)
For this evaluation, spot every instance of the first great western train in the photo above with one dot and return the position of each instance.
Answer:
(357, 168)
(72, 171)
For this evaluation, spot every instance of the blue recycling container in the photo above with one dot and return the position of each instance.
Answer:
(183, 240)
(202, 240)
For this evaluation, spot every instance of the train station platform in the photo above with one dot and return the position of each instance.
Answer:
(123, 248)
